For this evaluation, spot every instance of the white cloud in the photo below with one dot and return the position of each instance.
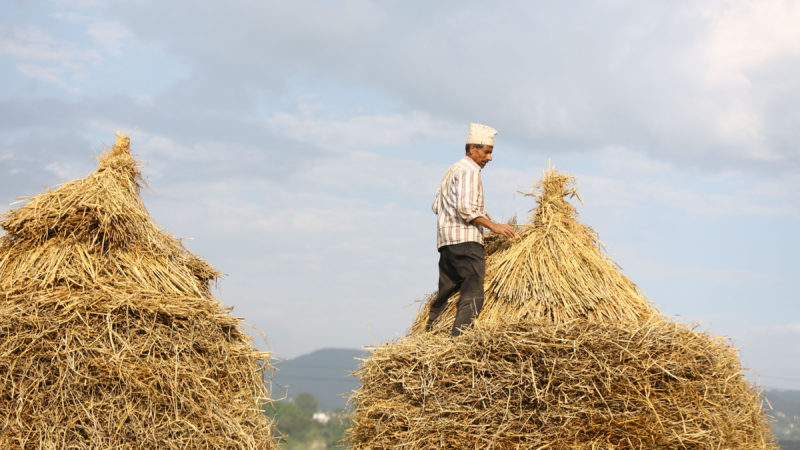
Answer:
(689, 270)
(623, 182)
(633, 75)
(42, 56)
(710, 203)
(143, 100)
(364, 172)
(746, 34)
(72, 17)
(746, 42)
(81, 3)
(53, 75)
(697, 197)
(31, 43)
(65, 171)
(395, 130)
(623, 161)
(109, 36)
(783, 329)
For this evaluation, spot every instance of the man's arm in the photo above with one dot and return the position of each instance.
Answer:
(499, 228)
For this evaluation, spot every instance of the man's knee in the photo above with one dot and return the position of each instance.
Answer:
(471, 304)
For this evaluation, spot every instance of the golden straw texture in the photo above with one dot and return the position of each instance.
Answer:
(566, 353)
(109, 334)
(572, 385)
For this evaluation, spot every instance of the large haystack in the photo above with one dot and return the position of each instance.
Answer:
(567, 353)
(109, 334)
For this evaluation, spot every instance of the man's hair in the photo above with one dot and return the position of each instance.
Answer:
(478, 146)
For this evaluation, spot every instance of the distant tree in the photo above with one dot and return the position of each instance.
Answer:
(306, 403)
(291, 421)
(294, 420)
(335, 430)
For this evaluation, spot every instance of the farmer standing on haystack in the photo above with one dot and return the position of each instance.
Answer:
(459, 205)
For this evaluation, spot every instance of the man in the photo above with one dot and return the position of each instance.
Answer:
(459, 207)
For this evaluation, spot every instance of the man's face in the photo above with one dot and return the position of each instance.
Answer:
(481, 156)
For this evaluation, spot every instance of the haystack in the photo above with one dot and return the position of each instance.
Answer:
(566, 353)
(109, 334)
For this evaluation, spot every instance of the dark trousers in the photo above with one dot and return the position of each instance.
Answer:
(461, 266)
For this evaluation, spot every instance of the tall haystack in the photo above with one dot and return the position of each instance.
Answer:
(566, 353)
(109, 334)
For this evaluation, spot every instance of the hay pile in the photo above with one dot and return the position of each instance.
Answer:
(567, 353)
(109, 334)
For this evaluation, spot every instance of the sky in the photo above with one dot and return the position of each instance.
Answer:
(296, 146)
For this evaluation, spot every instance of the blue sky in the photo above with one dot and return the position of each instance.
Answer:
(297, 145)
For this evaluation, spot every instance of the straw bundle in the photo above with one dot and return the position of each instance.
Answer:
(566, 353)
(109, 334)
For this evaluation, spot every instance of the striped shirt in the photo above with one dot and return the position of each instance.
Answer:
(458, 202)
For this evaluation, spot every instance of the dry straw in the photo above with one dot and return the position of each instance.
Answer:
(567, 353)
(109, 334)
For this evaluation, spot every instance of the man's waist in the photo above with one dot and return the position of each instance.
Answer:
(461, 243)
(458, 238)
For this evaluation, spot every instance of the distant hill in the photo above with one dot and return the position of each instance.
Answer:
(786, 417)
(322, 373)
(785, 401)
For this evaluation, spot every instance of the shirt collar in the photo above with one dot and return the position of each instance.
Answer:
(469, 161)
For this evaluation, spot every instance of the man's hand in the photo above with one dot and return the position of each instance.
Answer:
(499, 228)
(504, 229)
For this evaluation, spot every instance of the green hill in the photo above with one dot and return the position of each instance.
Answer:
(325, 374)
(786, 414)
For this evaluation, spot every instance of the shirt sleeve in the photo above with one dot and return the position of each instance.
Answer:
(436, 201)
(469, 195)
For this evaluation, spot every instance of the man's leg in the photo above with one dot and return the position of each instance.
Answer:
(448, 284)
(470, 264)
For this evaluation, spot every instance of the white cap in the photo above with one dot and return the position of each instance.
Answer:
(481, 134)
